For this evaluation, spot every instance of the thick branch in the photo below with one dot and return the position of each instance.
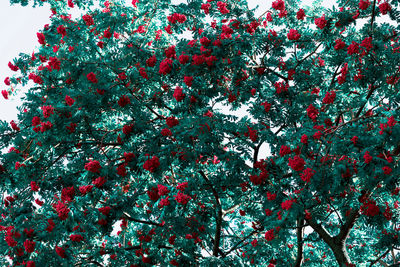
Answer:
(373, 17)
(346, 228)
(321, 232)
(300, 228)
(218, 219)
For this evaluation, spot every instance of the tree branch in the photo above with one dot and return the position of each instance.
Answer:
(300, 228)
(346, 228)
(218, 219)
(129, 218)
(380, 257)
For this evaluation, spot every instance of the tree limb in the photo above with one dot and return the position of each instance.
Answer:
(217, 237)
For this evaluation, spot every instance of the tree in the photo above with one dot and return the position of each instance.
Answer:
(122, 130)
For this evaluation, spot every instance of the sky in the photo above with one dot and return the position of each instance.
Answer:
(18, 29)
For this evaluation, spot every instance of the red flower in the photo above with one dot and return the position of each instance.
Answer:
(183, 59)
(171, 122)
(99, 182)
(339, 44)
(222, 7)
(62, 211)
(166, 132)
(153, 194)
(206, 8)
(129, 156)
(67, 194)
(182, 198)
(47, 111)
(268, 212)
(170, 52)
(259, 179)
(61, 30)
(151, 164)
(54, 63)
(69, 100)
(92, 77)
(354, 139)
(168, 29)
(39, 202)
(321, 22)
(317, 135)
(178, 94)
(13, 67)
(121, 170)
(165, 66)
(367, 157)
(278, 5)
(105, 210)
(285, 150)
(370, 208)
(329, 97)
(71, 128)
(162, 190)
(29, 246)
(297, 163)
(307, 175)
(312, 112)
(14, 126)
(34, 186)
(386, 170)
(41, 38)
(5, 94)
(151, 62)
(35, 78)
(88, 20)
(176, 17)
(287, 204)
(7, 81)
(188, 80)
(293, 35)
(143, 73)
(107, 34)
(51, 225)
(363, 5)
(123, 101)
(281, 87)
(198, 59)
(367, 43)
(85, 189)
(271, 196)
(93, 166)
(304, 139)
(391, 121)
(60, 252)
(300, 14)
(127, 129)
(269, 235)
(353, 48)
(384, 8)
(10, 241)
(171, 239)
(76, 238)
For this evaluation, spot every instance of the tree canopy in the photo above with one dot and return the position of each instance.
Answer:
(130, 150)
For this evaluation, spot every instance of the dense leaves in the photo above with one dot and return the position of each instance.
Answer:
(132, 148)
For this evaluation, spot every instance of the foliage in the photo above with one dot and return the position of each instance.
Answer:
(132, 124)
